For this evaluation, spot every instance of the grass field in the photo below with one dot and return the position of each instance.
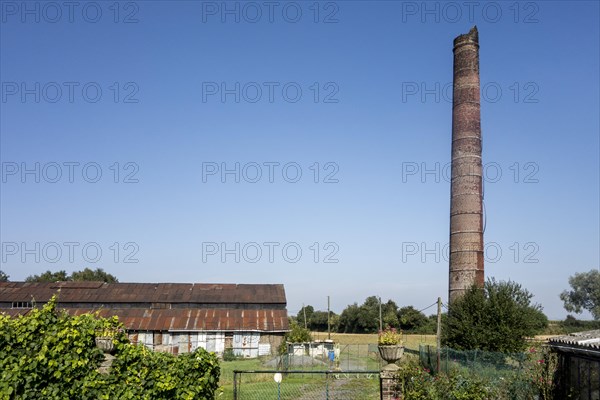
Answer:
(262, 384)
(410, 341)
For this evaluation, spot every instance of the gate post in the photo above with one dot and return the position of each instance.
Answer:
(235, 384)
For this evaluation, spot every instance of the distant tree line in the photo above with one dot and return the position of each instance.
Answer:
(98, 275)
(365, 318)
(498, 317)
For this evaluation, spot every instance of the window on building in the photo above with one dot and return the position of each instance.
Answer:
(22, 304)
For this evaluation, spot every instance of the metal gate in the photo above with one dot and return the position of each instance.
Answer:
(306, 385)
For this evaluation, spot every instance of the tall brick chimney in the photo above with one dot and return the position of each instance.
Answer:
(466, 192)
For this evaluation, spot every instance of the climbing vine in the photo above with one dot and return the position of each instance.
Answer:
(48, 354)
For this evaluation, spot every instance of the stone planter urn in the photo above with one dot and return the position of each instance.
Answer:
(391, 354)
(105, 344)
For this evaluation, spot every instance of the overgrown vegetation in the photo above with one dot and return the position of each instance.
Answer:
(48, 354)
(498, 317)
(528, 379)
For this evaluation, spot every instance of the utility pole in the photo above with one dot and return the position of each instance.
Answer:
(328, 325)
(304, 309)
(380, 319)
(439, 332)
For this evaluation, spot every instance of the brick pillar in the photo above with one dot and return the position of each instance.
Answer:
(390, 389)
(466, 194)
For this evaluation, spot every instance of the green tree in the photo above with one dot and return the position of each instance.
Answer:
(498, 318)
(49, 276)
(365, 318)
(584, 293)
(318, 321)
(298, 334)
(389, 311)
(368, 315)
(308, 310)
(349, 319)
(411, 319)
(93, 275)
(430, 327)
(85, 275)
(3, 276)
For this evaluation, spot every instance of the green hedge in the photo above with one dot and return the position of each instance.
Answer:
(48, 354)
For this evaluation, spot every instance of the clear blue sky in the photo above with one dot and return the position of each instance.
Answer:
(156, 92)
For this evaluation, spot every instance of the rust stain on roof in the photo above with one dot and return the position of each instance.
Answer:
(147, 306)
(99, 292)
(188, 320)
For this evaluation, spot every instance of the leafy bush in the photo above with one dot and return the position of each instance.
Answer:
(497, 318)
(140, 373)
(297, 334)
(48, 354)
(532, 380)
(229, 355)
(417, 383)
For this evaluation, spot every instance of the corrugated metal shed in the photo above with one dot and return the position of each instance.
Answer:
(161, 306)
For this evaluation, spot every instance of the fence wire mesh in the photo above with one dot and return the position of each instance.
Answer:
(483, 363)
(307, 385)
(327, 356)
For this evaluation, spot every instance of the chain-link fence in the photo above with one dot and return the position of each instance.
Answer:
(483, 363)
(527, 375)
(323, 356)
(306, 385)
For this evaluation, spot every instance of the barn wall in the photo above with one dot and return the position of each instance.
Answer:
(244, 343)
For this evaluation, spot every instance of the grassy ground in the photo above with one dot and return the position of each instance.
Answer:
(410, 341)
(261, 386)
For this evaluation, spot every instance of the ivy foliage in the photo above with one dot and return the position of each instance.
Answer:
(48, 354)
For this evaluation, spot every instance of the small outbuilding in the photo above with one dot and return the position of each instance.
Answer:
(578, 373)
(250, 319)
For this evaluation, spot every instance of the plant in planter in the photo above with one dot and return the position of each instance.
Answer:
(106, 338)
(390, 345)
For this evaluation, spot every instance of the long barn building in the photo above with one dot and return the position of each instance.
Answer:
(174, 317)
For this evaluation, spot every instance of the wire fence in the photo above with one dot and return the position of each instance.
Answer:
(323, 356)
(505, 376)
(306, 385)
(483, 363)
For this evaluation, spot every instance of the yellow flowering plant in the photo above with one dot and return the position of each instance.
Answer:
(390, 337)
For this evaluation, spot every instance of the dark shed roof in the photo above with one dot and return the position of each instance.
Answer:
(218, 307)
(99, 292)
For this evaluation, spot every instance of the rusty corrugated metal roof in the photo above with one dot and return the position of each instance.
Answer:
(224, 307)
(222, 319)
(98, 292)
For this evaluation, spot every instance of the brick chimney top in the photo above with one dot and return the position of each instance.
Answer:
(468, 38)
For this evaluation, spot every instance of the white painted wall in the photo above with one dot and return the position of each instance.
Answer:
(246, 344)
